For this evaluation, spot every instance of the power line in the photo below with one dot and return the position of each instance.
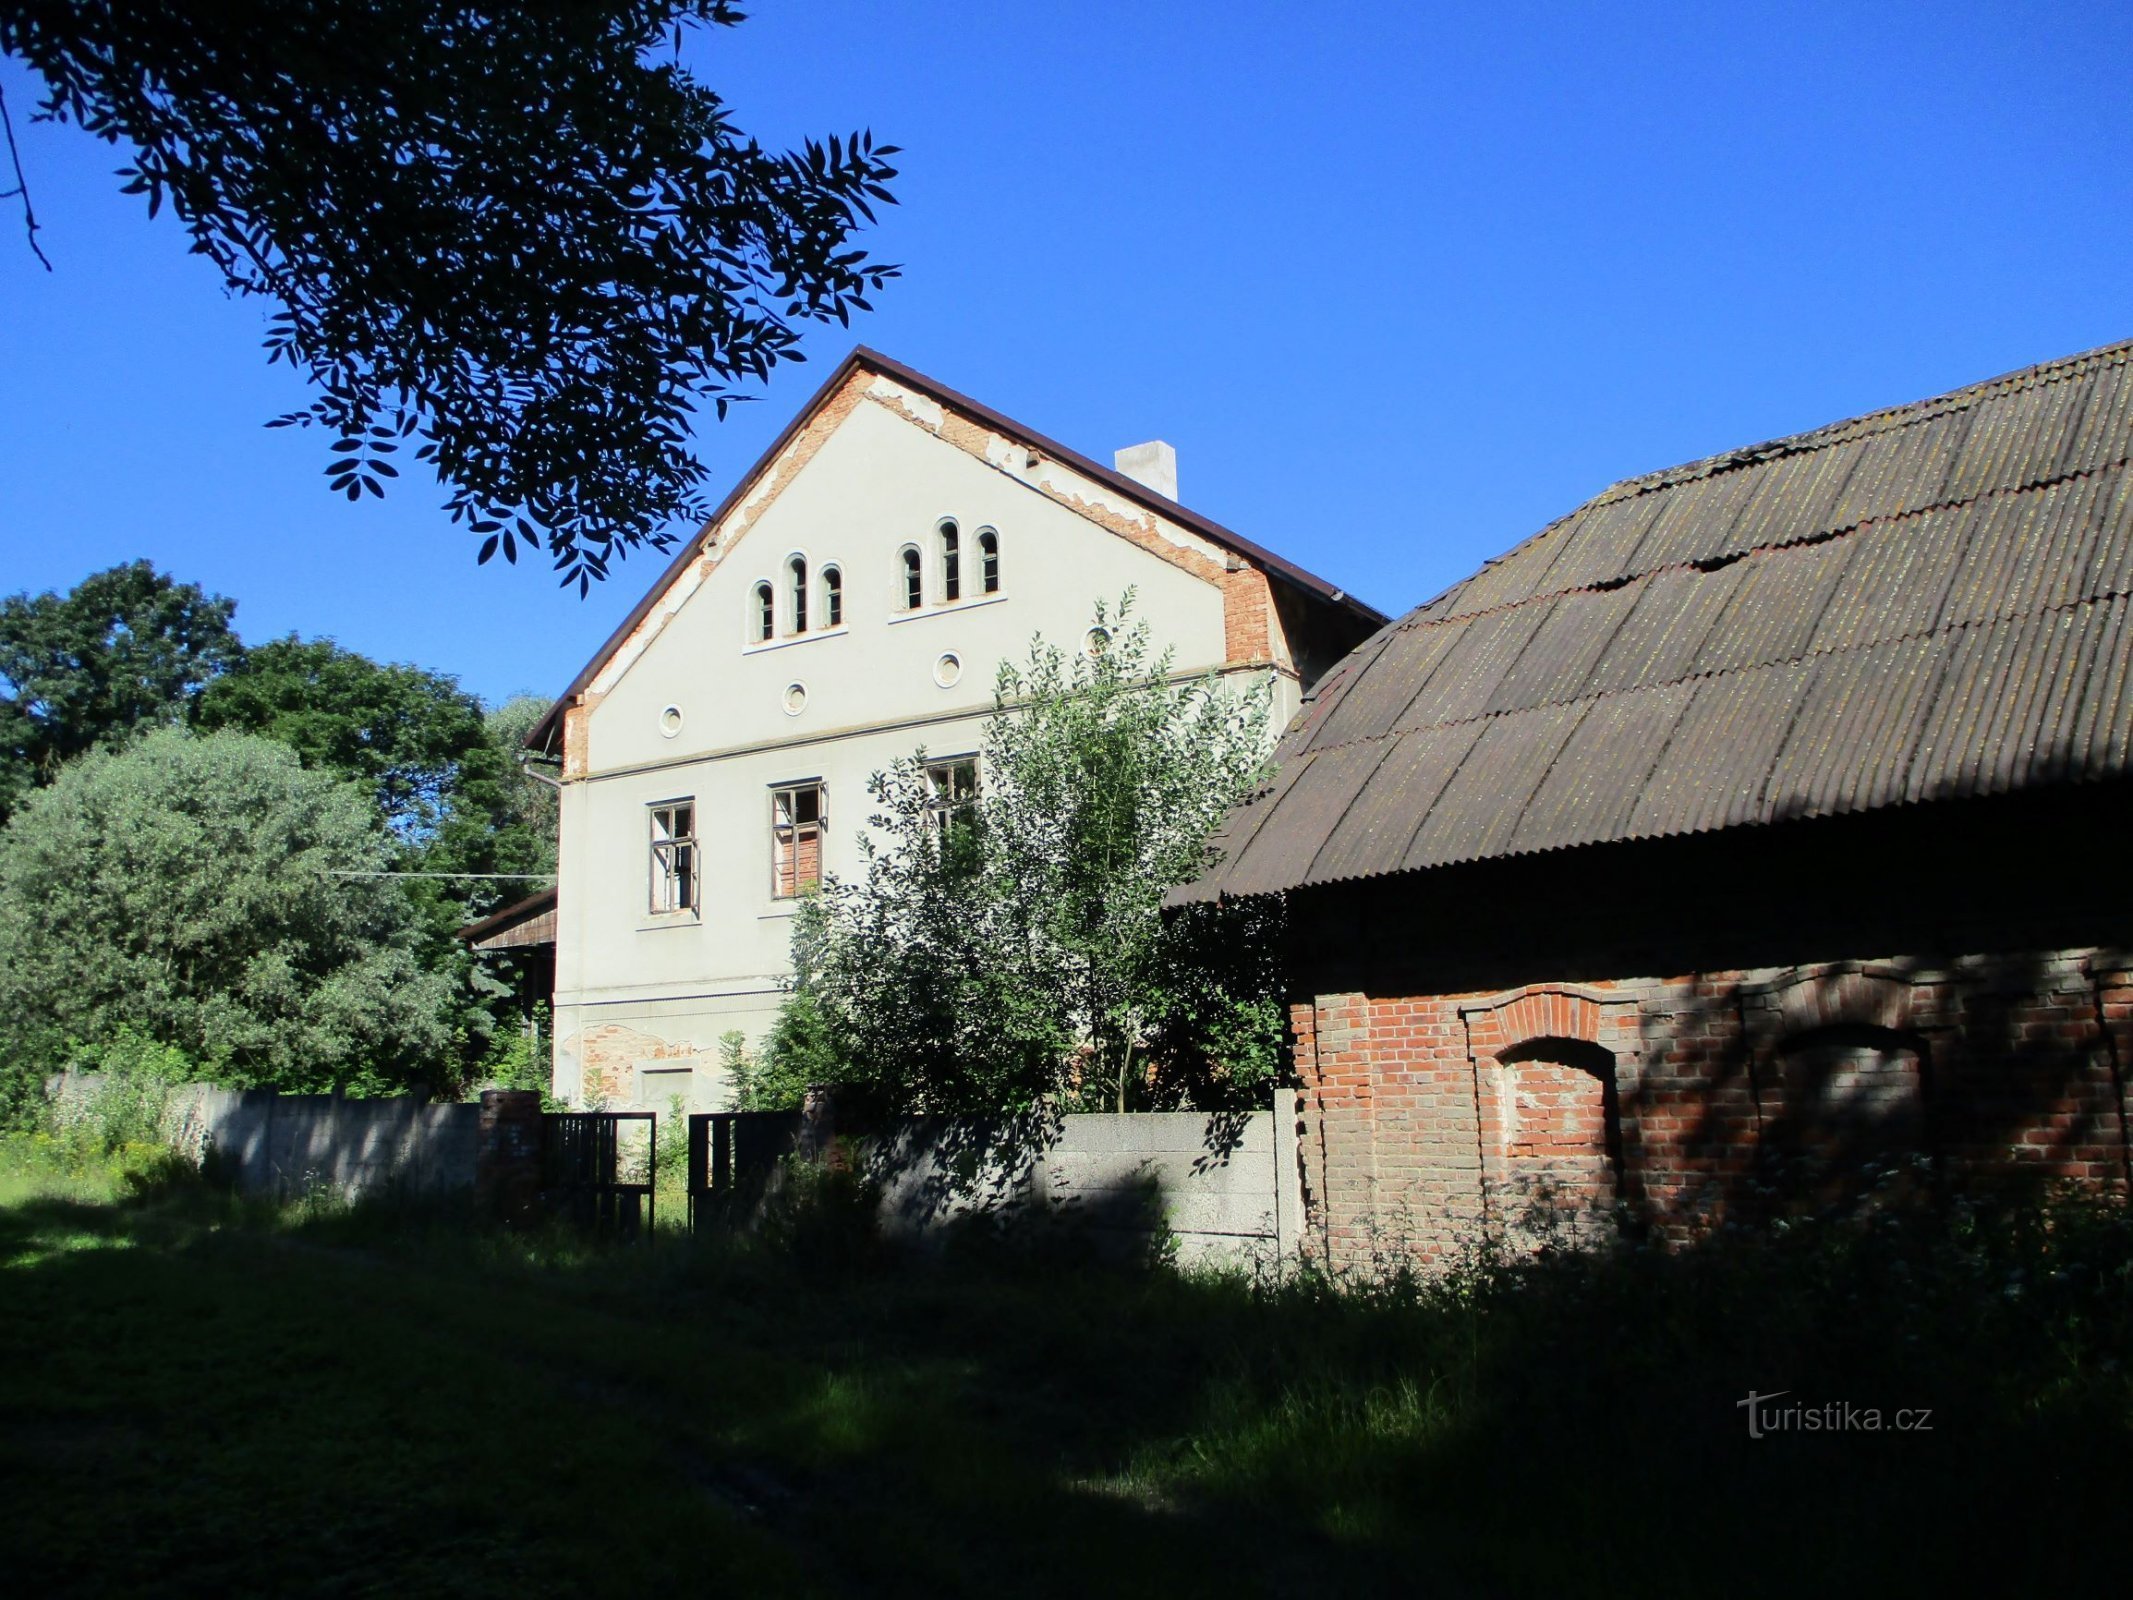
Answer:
(525, 877)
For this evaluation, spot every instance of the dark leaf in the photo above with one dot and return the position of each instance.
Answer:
(532, 242)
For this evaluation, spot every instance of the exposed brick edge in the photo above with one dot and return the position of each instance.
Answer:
(1247, 597)
(715, 543)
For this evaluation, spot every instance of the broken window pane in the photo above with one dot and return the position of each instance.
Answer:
(674, 856)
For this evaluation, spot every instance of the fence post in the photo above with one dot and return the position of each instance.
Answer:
(699, 1168)
(507, 1159)
(1288, 1180)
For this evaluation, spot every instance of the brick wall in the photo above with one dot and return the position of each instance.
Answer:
(1695, 1029)
(1247, 614)
(610, 1053)
(1431, 1120)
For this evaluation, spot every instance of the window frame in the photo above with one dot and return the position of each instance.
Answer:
(796, 593)
(988, 561)
(787, 832)
(832, 595)
(910, 580)
(762, 612)
(949, 535)
(942, 802)
(674, 859)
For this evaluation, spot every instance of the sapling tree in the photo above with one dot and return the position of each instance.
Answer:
(1006, 946)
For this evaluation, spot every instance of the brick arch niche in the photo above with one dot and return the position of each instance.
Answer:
(1859, 1079)
(1843, 1059)
(1558, 1123)
(1549, 1071)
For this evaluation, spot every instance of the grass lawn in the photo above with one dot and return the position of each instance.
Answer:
(200, 1397)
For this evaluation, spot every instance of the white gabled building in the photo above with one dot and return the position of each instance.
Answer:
(849, 603)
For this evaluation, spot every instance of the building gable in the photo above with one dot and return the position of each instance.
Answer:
(878, 489)
(1257, 587)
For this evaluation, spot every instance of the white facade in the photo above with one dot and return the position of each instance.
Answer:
(689, 705)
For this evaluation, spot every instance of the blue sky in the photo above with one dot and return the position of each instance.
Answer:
(1400, 282)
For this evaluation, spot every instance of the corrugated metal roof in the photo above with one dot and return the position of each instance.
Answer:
(1919, 604)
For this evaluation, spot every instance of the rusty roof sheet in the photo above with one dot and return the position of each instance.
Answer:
(1923, 603)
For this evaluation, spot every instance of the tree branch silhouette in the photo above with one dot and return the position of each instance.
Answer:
(22, 184)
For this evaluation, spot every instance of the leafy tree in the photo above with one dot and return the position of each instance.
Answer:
(187, 890)
(403, 732)
(799, 1053)
(125, 647)
(447, 785)
(524, 237)
(444, 771)
(1011, 950)
(525, 804)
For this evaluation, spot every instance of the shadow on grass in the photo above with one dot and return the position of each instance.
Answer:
(365, 1396)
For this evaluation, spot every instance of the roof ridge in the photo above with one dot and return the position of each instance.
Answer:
(1868, 423)
(2102, 596)
(696, 542)
(1151, 499)
(1415, 620)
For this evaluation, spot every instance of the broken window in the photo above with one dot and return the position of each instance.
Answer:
(832, 598)
(914, 589)
(952, 812)
(952, 789)
(951, 563)
(989, 560)
(674, 856)
(795, 839)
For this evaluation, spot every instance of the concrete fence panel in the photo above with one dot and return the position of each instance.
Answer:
(284, 1145)
(1217, 1189)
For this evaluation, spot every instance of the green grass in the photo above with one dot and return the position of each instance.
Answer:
(202, 1396)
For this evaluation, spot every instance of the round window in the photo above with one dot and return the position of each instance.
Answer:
(1096, 642)
(948, 670)
(795, 699)
(670, 721)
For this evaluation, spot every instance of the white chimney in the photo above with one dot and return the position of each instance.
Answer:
(1153, 463)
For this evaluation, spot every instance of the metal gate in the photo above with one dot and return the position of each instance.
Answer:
(732, 1155)
(590, 1166)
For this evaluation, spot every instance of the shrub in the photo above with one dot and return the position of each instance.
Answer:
(825, 1215)
(797, 1055)
(209, 895)
(522, 1059)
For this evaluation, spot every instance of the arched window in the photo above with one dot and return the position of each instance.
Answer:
(763, 615)
(832, 598)
(914, 591)
(951, 563)
(989, 560)
(796, 569)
